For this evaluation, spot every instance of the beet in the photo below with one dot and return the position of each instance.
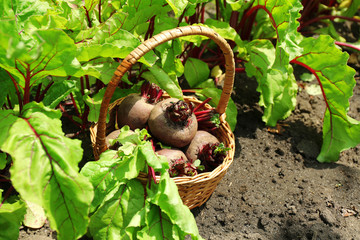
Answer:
(110, 136)
(212, 155)
(178, 163)
(135, 109)
(173, 123)
(200, 139)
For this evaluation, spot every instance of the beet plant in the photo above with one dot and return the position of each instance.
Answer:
(56, 57)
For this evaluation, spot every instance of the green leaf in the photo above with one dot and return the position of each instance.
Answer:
(196, 71)
(91, 4)
(7, 120)
(158, 225)
(352, 9)
(336, 79)
(101, 175)
(3, 160)
(58, 91)
(45, 169)
(23, 10)
(177, 6)
(114, 167)
(215, 93)
(45, 22)
(165, 195)
(7, 89)
(261, 58)
(279, 91)
(160, 78)
(307, 77)
(153, 160)
(224, 30)
(51, 52)
(284, 15)
(11, 216)
(112, 219)
(118, 45)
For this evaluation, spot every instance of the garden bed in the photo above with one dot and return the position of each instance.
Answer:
(275, 188)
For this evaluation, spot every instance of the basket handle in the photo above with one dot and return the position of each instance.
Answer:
(150, 44)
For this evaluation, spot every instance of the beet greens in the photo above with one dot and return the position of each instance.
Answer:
(57, 56)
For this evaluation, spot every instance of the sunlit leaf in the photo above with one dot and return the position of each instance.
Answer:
(112, 218)
(196, 71)
(162, 79)
(45, 171)
(329, 65)
(11, 216)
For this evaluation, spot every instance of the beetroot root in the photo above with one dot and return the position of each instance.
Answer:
(173, 122)
(200, 139)
(114, 135)
(178, 163)
(134, 111)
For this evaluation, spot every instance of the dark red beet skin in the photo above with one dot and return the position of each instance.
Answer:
(178, 163)
(170, 132)
(133, 111)
(200, 139)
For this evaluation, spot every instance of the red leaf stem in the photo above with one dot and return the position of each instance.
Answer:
(27, 87)
(202, 16)
(188, 91)
(309, 7)
(159, 95)
(7, 194)
(82, 86)
(202, 104)
(75, 105)
(207, 111)
(150, 30)
(314, 72)
(203, 49)
(65, 114)
(88, 17)
(45, 91)
(16, 89)
(100, 11)
(9, 102)
(38, 92)
(87, 82)
(201, 119)
(238, 70)
(347, 45)
(254, 10)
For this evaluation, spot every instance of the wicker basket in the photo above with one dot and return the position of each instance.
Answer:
(194, 190)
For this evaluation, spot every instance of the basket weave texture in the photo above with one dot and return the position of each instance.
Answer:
(194, 190)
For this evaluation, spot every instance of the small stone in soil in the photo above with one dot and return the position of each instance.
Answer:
(327, 217)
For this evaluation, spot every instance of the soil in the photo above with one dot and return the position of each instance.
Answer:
(276, 189)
